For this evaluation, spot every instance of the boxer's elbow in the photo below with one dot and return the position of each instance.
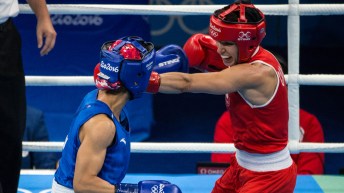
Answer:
(80, 186)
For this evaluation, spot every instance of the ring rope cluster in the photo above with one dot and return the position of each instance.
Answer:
(187, 10)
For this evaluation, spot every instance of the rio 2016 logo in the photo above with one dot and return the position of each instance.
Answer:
(77, 20)
(107, 66)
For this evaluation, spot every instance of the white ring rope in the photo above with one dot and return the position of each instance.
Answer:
(282, 9)
(144, 147)
(59, 81)
(293, 10)
(315, 79)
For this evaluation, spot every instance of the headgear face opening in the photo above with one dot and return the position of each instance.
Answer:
(126, 62)
(241, 23)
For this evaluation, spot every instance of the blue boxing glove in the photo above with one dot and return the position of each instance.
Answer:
(171, 58)
(149, 186)
(135, 188)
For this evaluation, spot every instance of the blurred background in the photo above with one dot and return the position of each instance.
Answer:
(184, 117)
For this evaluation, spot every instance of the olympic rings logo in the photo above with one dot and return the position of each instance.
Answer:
(181, 20)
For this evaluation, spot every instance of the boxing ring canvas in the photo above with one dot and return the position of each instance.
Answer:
(40, 182)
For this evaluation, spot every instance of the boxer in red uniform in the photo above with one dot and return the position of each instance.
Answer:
(310, 131)
(256, 95)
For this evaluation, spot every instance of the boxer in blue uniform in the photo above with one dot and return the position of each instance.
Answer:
(96, 152)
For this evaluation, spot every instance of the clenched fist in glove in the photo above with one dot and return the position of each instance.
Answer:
(201, 51)
(148, 186)
(170, 58)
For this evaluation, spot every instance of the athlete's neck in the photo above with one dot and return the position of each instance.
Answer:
(115, 102)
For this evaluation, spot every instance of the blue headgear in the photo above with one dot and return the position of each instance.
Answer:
(126, 62)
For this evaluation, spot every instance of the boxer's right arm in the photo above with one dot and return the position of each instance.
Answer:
(201, 50)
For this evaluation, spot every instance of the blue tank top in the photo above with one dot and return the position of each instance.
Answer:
(117, 155)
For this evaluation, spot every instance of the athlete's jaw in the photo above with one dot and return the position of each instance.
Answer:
(228, 60)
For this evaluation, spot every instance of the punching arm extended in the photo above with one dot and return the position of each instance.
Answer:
(238, 77)
(170, 58)
(177, 82)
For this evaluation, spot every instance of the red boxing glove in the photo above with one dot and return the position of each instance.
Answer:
(201, 51)
(154, 83)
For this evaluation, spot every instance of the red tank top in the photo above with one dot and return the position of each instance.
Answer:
(261, 129)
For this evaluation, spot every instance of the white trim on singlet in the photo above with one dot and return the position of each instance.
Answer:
(264, 162)
(276, 89)
(57, 188)
(255, 52)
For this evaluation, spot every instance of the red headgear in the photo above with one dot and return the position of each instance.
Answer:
(246, 34)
